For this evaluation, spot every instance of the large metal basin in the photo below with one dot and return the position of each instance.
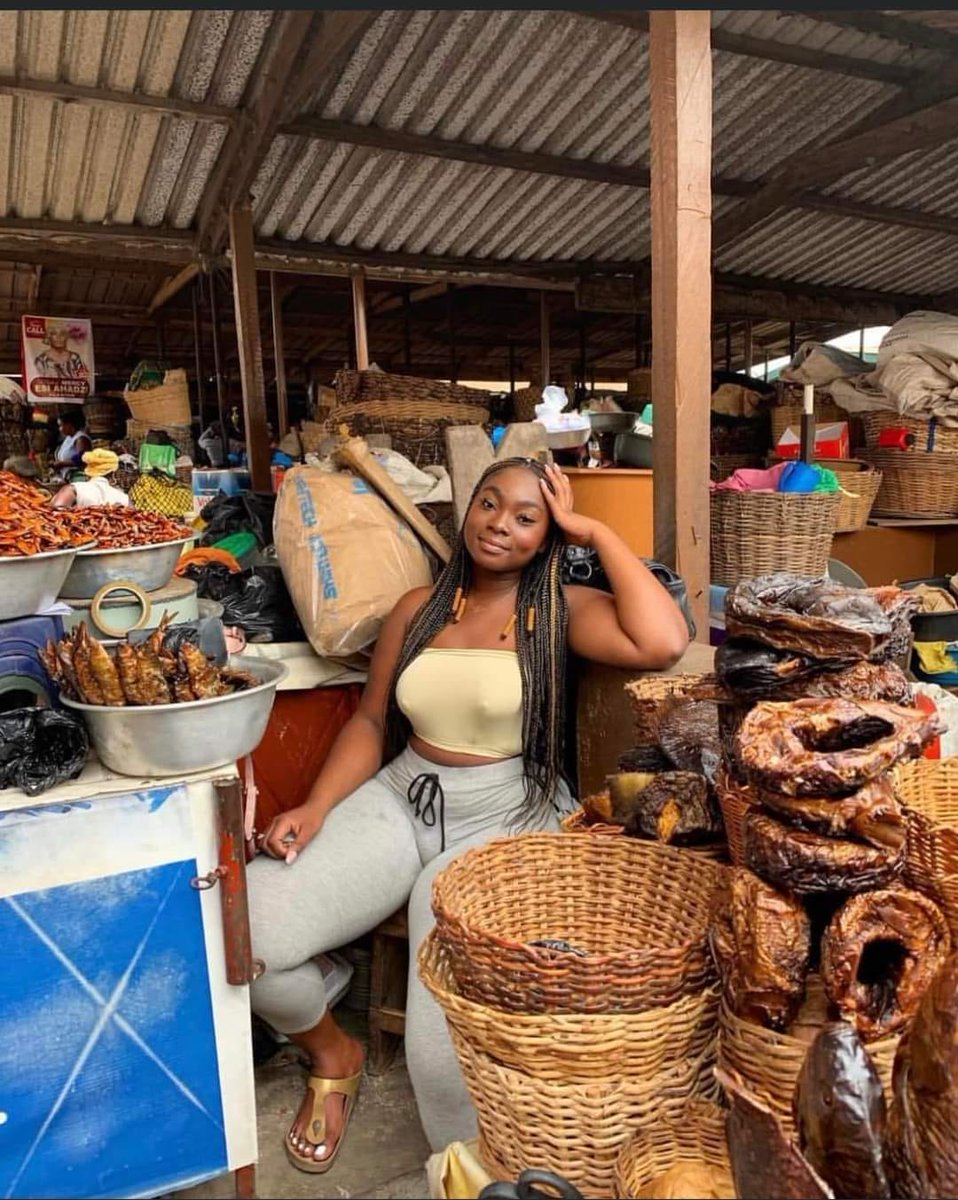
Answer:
(179, 739)
(32, 583)
(149, 566)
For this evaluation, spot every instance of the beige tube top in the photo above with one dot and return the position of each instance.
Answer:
(465, 701)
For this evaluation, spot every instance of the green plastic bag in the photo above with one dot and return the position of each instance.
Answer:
(160, 458)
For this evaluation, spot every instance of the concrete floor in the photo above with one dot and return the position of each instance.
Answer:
(383, 1157)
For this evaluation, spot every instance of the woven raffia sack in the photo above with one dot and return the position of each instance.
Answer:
(161, 494)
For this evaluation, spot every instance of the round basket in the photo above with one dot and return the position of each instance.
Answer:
(735, 799)
(769, 1062)
(353, 387)
(758, 533)
(860, 482)
(578, 822)
(929, 789)
(646, 694)
(168, 404)
(574, 1129)
(524, 403)
(790, 413)
(915, 484)
(636, 913)
(930, 437)
(697, 1137)
(569, 1047)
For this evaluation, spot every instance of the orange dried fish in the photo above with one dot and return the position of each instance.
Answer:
(104, 671)
(89, 688)
(203, 676)
(128, 670)
(153, 685)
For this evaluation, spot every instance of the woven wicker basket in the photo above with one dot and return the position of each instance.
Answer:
(646, 694)
(355, 387)
(724, 465)
(769, 1062)
(930, 437)
(697, 1137)
(180, 435)
(638, 911)
(417, 428)
(735, 799)
(860, 482)
(524, 403)
(574, 1129)
(915, 484)
(168, 404)
(571, 1048)
(930, 790)
(758, 533)
(790, 413)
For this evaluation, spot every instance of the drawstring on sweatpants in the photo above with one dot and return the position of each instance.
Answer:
(422, 794)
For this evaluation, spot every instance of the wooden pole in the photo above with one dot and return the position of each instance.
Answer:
(246, 306)
(451, 321)
(276, 308)
(544, 338)
(407, 325)
(791, 339)
(728, 346)
(198, 351)
(749, 349)
(681, 121)
(512, 368)
(359, 319)
(218, 364)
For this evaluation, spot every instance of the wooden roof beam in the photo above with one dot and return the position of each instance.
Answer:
(74, 93)
(896, 29)
(307, 47)
(780, 52)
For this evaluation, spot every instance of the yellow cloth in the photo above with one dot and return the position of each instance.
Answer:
(934, 658)
(465, 701)
(100, 462)
(457, 1173)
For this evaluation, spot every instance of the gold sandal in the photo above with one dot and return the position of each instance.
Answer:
(322, 1089)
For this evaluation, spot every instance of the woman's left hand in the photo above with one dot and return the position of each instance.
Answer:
(578, 530)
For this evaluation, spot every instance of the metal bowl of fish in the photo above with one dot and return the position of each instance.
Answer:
(168, 739)
(151, 567)
(30, 583)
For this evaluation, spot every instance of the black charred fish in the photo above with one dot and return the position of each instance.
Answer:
(839, 1110)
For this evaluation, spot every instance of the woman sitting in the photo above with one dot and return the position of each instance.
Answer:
(95, 490)
(458, 739)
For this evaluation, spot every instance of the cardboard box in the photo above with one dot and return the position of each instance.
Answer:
(831, 441)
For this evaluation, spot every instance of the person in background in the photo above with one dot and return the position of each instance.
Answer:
(22, 465)
(96, 489)
(74, 445)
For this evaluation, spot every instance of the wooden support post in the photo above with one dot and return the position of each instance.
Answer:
(791, 339)
(359, 319)
(279, 355)
(544, 338)
(583, 348)
(728, 346)
(451, 321)
(512, 368)
(407, 325)
(198, 351)
(749, 349)
(246, 305)
(218, 366)
(681, 118)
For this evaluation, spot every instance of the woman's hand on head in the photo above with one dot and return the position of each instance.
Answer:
(577, 529)
(291, 832)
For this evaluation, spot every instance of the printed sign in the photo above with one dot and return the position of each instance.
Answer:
(57, 358)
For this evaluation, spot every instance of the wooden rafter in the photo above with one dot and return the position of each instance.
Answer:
(74, 93)
(306, 47)
(886, 25)
(780, 52)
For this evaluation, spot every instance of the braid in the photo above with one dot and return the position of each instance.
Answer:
(541, 652)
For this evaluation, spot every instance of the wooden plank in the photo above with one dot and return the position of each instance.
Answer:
(246, 306)
(887, 25)
(164, 106)
(469, 453)
(173, 286)
(279, 355)
(354, 454)
(681, 121)
(359, 320)
(545, 365)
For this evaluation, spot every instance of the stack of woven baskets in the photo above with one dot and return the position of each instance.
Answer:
(920, 480)
(415, 413)
(576, 980)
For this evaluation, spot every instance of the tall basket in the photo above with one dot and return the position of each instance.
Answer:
(758, 533)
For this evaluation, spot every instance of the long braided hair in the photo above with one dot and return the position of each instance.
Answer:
(541, 651)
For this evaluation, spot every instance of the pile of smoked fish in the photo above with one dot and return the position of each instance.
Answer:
(30, 525)
(140, 675)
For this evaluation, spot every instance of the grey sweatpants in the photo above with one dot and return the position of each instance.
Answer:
(373, 853)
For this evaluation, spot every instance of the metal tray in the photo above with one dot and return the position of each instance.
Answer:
(31, 583)
(151, 567)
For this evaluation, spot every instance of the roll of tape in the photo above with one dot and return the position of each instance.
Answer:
(122, 585)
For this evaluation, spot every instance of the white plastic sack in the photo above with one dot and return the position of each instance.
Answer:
(929, 334)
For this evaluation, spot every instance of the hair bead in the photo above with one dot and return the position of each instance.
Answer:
(530, 619)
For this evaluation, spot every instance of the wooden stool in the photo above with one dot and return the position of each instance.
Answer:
(387, 991)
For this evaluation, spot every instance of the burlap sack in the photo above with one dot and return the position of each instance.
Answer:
(346, 557)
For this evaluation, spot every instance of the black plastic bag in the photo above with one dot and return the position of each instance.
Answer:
(40, 747)
(584, 567)
(256, 600)
(238, 514)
